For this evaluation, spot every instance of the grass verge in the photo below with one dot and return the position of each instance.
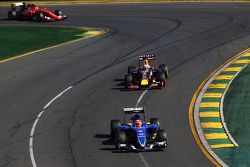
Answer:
(19, 40)
(237, 116)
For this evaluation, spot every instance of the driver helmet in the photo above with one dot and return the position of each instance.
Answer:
(136, 116)
(138, 123)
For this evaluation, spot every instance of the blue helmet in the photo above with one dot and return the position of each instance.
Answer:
(136, 117)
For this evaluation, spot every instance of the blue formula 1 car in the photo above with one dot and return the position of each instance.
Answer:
(137, 135)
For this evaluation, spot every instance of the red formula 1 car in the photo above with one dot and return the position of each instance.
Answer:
(147, 75)
(21, 11)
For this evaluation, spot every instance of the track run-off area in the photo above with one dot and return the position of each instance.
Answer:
(77, 88)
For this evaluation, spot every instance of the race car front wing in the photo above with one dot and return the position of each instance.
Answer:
(157, 146)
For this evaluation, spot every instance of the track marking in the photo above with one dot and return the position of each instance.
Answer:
(221, 145)
(31, 140)
(217, 86)
(211, 125)
(209, 114)
(224, 77)
(220, 80)
(146, 164)
(246, 55)
(140, 98)
(144, 160)
(222, 104)
(241, 62)
(209, 104)
(31, 145)
(210, 136)
(194, 121)
(232, 69)
(193, 127)
(212, 95)
(60, 94)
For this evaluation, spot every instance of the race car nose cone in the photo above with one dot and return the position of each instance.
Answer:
(144, 82)
(141, 136)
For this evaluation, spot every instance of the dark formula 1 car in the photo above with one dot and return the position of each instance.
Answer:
(137, 135)
(147, 75)
(21, 11)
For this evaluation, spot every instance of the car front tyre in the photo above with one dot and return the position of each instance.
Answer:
(164, 69)
(120, 139)
(162, 136)
(40, 17)
(58, 12)
(128, 80)
(114, 127)
(12, 15)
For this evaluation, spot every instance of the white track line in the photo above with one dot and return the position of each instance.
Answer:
(144, 160)
(31, 145)
(140, 98)
(136, 105)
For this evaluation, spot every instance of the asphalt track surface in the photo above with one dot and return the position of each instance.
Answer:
(193, 39)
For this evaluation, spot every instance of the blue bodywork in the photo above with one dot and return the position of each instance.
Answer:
(142, 137)
(141, 133)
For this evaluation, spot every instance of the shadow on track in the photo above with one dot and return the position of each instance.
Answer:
(107, 141)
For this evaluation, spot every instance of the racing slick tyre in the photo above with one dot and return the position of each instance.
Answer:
(40, 17)
(164, 69)
(155, 121)
(131, 69)
(58, 12)
(114, 127)
(162, 136)
(12, 15)
(162, 79)
(128, 80)
(120, 139)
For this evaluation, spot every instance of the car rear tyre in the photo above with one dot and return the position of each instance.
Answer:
(155, 121)
(162, 79)
(128, 80)
(162, 136)
(131, 69)
(58, 12)
(114, 127)
(164, 69)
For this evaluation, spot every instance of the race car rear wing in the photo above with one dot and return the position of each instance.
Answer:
(129, 114)
(133, 110)
(147, 56)
(17, 4)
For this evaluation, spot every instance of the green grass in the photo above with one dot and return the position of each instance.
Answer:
(19, 40)
(237, 116)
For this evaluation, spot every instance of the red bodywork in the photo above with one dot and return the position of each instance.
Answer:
(31, 11)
